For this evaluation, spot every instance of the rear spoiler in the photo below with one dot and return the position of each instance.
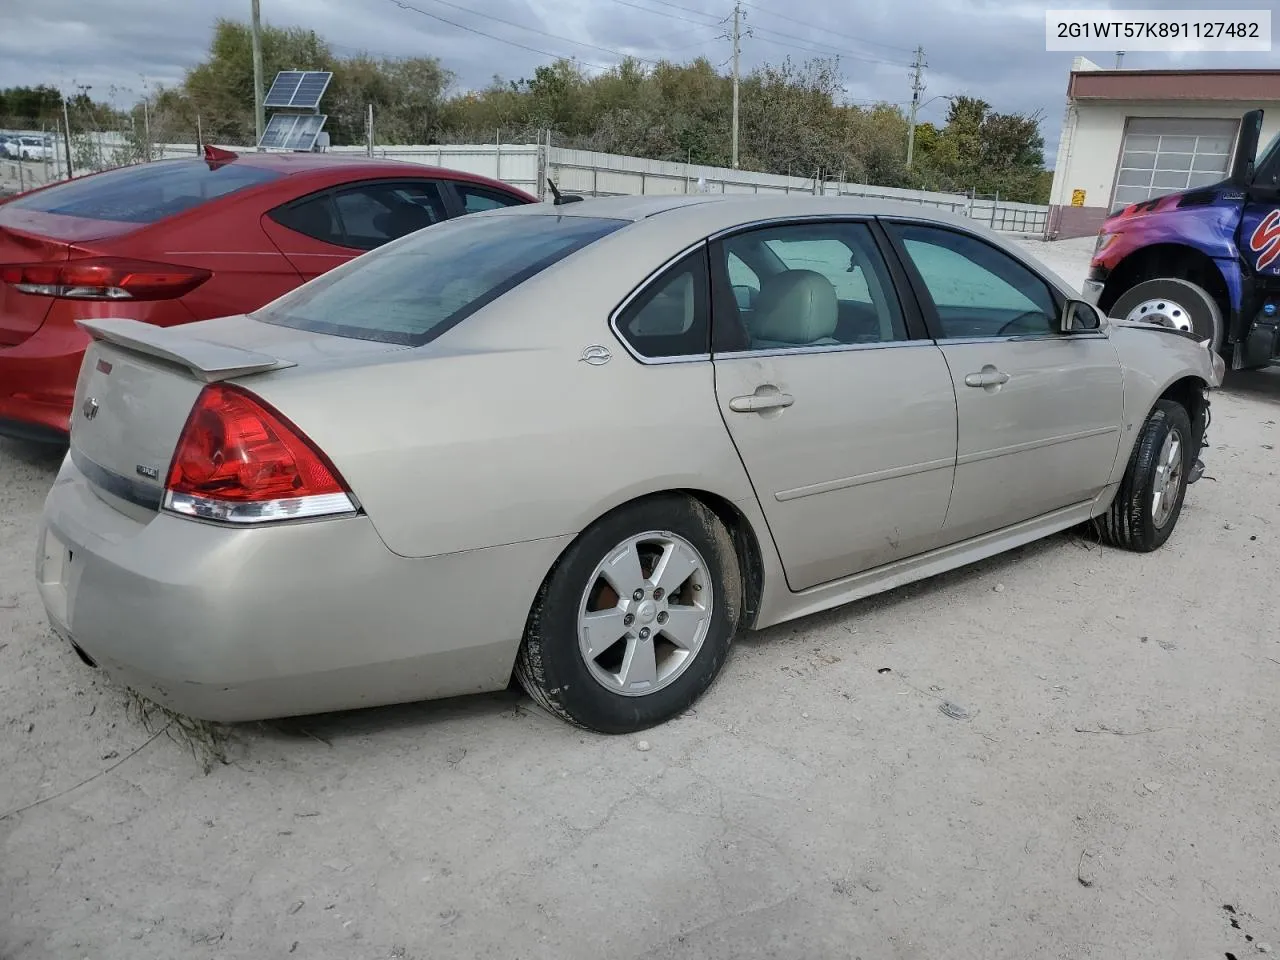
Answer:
(208, 361)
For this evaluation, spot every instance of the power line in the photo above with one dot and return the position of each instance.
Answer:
(669, 16)
(542, 33)
(810, 46)
(825, 29)
(489, 36)
(816, 45)
(676, 6)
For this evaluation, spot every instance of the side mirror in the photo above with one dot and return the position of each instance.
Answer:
(1246, 149)
(1080, 316)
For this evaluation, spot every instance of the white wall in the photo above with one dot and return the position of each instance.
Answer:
(603, 174)
(1094, 145)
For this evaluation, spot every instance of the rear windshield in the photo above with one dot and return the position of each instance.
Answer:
(415, 288)
(145, 193)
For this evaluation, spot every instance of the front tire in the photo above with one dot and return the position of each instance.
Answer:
(1173, 302)
(1149, 501)
(636, 619)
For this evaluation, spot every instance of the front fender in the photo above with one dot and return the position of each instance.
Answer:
(1155, 361)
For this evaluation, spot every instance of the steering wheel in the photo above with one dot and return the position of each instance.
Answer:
(1027, 315)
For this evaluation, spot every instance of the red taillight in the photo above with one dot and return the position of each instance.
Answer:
(103, 278)
(240, 461)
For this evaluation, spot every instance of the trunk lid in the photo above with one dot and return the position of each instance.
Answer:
(138, 383)
(32, 236)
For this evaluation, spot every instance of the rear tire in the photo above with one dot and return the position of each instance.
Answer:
(1173, 302)
(1147, 505)
(634, 622)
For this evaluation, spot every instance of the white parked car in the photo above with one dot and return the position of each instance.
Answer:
(33, 148)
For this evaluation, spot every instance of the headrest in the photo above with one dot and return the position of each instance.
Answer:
(798, 306)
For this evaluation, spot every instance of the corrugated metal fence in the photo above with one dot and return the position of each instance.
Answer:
(588, 173)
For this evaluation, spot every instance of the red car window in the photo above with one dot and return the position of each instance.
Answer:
(146, 192)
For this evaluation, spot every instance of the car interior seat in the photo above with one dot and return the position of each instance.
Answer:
(795, 308)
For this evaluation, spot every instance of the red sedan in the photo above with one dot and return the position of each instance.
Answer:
(181, 240)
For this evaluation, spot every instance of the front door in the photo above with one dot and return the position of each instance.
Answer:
(1039, 411)
(846, 426)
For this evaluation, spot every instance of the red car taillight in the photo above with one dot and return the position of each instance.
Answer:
(103, 278)
(240, 461)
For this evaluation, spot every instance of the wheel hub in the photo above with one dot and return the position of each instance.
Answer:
(1165, 312)
(645, 613)
(1168, 479)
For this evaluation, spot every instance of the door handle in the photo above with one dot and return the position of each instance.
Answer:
(760, 402)
(989, 377)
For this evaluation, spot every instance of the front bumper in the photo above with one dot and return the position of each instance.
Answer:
(1091, 290)
(232, 624)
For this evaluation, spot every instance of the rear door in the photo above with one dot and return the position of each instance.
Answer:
(845, 423)
(1039, 410)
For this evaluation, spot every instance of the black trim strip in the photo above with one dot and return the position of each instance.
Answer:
(126, 488)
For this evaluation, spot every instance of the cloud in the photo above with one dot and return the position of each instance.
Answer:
(993, 49)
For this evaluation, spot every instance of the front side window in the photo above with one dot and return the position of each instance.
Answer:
(410, 291)
(374, 213)
(815, 285)
(670, 316)
(977, 290)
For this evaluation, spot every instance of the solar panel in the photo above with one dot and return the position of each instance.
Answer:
(286, 131)
(305, 131)
(277, 128)
(299, 89)
(310, 89)
(283, 88)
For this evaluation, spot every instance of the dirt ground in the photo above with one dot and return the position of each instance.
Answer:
(1112, 796)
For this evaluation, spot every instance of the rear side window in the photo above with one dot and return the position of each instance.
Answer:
(412, 290)
(147, 192)
(670, 317)
(477, 199)
(315, 218)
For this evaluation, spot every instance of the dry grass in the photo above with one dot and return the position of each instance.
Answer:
(207, 741)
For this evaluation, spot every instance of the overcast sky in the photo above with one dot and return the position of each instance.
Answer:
(993, 49)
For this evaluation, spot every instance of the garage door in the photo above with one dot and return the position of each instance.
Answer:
(1163, 155)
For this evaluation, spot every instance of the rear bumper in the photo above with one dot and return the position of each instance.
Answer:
(300, 618)
(38, 383)
(38, 376)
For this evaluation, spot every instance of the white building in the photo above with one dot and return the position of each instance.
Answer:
(1133, 134)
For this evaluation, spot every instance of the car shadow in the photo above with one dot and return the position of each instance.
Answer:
(1256, 384)
(42, 456)
(345, 725)
(988, 569)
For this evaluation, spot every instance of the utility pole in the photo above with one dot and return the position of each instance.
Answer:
(737, 50)
(1119, 58)
(66, 119)
(917, 88)
(256, 28)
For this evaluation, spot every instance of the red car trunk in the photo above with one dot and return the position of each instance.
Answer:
(27, 237)
(21, 314)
